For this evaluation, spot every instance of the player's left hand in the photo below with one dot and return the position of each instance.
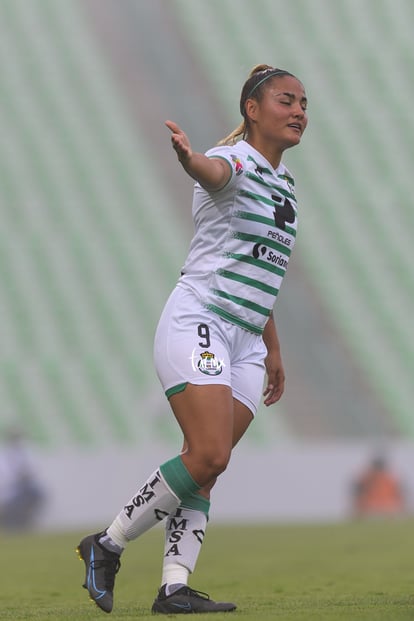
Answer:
(275, 384)
(180, 142)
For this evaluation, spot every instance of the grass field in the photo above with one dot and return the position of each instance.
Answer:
(356, 571)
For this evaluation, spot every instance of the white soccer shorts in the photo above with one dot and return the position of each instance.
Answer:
(194, 345)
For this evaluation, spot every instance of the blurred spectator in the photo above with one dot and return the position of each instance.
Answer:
(377, 492)
(21, 495)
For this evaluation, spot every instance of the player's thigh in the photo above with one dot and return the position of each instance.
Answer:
(242, 417)
(205, 415)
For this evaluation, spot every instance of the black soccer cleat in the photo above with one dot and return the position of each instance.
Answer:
(101, 568)
(187, 601)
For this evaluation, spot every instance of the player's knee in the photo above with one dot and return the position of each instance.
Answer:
(216, 462)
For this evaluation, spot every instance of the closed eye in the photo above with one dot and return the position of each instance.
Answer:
(291, 98)
(303, 105)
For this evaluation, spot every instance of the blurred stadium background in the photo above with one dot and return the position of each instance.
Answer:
(95, 224)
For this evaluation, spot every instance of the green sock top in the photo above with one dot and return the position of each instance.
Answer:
(178, 478)
(196, 502)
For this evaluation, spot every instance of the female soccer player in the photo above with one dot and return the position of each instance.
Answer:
(216, 336)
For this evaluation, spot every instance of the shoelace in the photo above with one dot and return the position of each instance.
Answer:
(111, 568)
(194, 593)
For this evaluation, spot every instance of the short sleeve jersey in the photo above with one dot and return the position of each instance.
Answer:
(244, 236)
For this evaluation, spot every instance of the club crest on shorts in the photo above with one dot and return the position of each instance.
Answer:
(207, 363)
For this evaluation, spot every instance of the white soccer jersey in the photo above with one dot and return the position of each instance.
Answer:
(244, 235)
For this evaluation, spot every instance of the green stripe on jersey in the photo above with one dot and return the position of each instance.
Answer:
(266, 171)
(258, 239)
(264, 199)
(242, 302)
(288, 179)
(245, 258)
(267, 184)
(254, 217)
(234, 319)
(258, 179)
(248, 281)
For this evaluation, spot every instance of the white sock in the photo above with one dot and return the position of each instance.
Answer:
(151, 504)
(174, 573)
(109, 544)
(184, 534)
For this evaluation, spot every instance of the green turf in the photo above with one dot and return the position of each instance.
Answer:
(356, 572)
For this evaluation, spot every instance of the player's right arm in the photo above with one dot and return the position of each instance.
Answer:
(210, 172)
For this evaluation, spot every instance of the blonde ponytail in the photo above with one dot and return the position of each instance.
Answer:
(236, 135)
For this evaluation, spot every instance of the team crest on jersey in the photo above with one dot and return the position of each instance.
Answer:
(238, 166)
(290, 183)
(207, 363)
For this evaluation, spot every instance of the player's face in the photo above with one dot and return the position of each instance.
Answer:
(281, 113)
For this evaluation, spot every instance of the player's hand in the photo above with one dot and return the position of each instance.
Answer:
(180, 142)
(275, 384)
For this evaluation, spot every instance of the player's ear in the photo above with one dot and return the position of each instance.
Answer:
(251, 108)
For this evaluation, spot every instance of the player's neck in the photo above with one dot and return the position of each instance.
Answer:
(271, 152)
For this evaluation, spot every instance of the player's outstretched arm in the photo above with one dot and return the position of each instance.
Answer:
(212, 173)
